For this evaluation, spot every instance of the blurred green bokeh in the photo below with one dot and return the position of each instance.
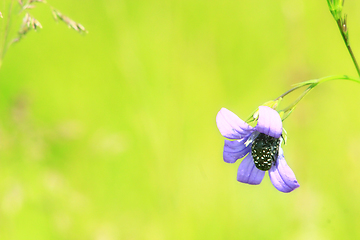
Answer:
(112, 135)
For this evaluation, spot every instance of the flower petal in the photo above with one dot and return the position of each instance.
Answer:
(248, 173)
(269, 122)
(281, 175)
(231, 126)
(234, 150)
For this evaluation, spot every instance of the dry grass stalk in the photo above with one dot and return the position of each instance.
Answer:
(30, 22)
(71, 23)
(27, 24)
(28, 4)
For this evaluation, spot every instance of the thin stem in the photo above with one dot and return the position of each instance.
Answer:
(343, 30)
(354, 59)
(287, 92)
(320, 80)
(6, 33)
(311, 84)
(293, 105)
(338, 77)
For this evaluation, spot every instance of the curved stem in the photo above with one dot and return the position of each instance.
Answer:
(311, 84)
(338, 77)
(287, 92)
(293, 105)
(318, 81)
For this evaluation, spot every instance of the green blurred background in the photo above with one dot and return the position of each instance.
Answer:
(112, 135)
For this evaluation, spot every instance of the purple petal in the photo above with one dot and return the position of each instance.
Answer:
(234, 150)
(248, 173)
(269, 122)
(231, 126)
(281, 175)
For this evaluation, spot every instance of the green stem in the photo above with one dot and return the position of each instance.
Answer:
(338, 77)
(293, 105)
(287, 92)
(318, 81)
(343, 30)
(311, 84)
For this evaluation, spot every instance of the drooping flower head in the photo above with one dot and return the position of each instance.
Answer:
(260, 145)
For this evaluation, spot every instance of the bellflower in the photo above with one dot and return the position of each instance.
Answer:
(261, 147)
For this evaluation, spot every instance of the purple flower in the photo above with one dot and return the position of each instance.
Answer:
(261, 147)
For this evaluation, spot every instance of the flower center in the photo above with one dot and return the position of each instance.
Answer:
(265, 150)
